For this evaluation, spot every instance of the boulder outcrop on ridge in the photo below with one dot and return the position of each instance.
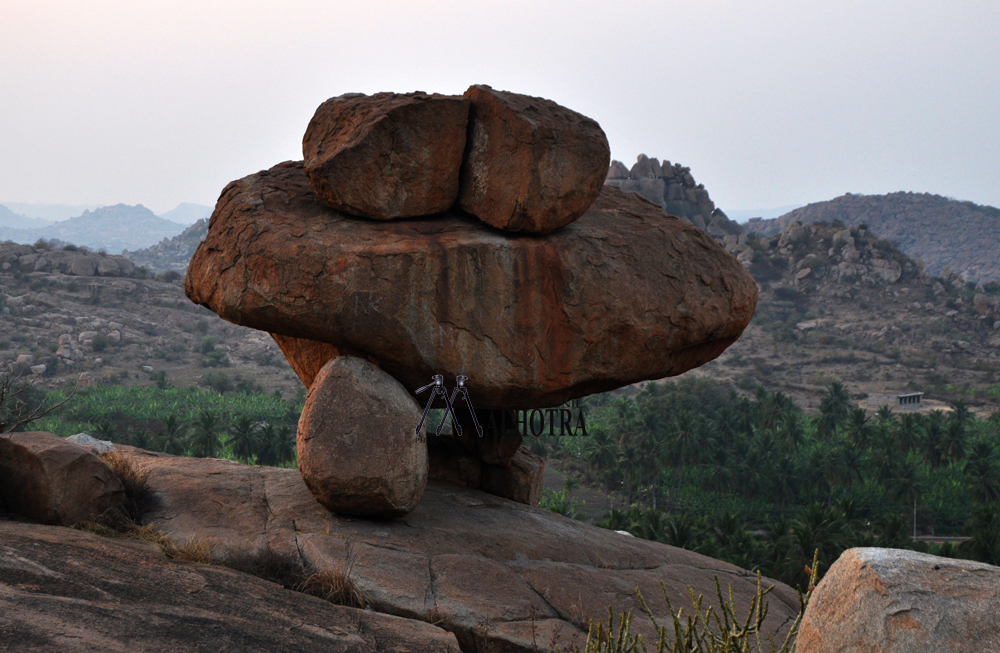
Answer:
(388, 155)
(531, 165)
(623, 294)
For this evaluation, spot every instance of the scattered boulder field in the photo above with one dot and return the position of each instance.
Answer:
(426, 234)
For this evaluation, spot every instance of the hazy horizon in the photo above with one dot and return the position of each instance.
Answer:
(770, 104)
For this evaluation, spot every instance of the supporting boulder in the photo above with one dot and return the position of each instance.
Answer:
(49, 480)
(357, 447)
(531, 165)
(387, 155)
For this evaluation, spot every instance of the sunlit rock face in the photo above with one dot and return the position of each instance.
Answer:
(623, 294)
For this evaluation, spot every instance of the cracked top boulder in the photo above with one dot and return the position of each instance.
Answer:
(388, 155)
(623, 294)
(531, 165)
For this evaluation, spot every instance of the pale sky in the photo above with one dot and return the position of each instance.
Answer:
(769, 102)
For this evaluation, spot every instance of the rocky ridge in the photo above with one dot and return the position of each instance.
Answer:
(171, 255)
(839, 302)
(944, 233)
(674, 189)
(111, 228)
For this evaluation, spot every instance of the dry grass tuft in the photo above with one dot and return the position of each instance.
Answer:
(137, 497)
(335, 584)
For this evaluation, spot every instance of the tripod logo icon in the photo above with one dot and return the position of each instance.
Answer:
(460, 388)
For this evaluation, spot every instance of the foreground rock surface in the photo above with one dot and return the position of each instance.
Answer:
(388, 155)
(625, 293)
(531, 165)
(357, 449)
(500, 575)
(50, 480)
(893, 601)
(68, 590)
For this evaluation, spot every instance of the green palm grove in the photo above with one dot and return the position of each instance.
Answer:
(757, 482)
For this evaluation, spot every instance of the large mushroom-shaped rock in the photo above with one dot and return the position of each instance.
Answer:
(358, 451)
(893, 601)
(625, 293)
(531, 165)
(387, 155)
(49, 480)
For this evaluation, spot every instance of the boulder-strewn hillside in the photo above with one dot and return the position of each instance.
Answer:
(74, 311)
(674, 189)
(173, 254)
(112, 228)
(841, 303)
(942, 232)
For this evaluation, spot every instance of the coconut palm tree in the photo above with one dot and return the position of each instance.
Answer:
(205, 442)
(173, 438)
(243, 438)
(981, 472)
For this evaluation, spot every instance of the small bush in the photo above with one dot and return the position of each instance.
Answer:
(100, 342)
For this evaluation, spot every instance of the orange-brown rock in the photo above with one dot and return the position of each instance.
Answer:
(307, 357)
(498, 574)
(531, 165)
(63, 589)
(625, 293)
(47, 479)
(894, 601)
(387, 155)
(358, 451)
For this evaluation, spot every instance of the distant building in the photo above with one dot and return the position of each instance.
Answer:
(909, 400)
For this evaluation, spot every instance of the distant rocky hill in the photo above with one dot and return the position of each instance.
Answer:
(11, 219)
(171, 254)
(941, 232)
(673, 188)
(840, 303)
(187, 213)
(112, 228)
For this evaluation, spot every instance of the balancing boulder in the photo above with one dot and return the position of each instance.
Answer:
(531, 165)
(387, 155)
(623, 294)
(358, 450)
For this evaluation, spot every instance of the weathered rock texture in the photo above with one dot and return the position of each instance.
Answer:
(893, 601)
(625, 293)
(500, 575)
(530, 165)
(674, 189)
(68, 590)
(387, 155)
(49, 480)
(357, 447)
